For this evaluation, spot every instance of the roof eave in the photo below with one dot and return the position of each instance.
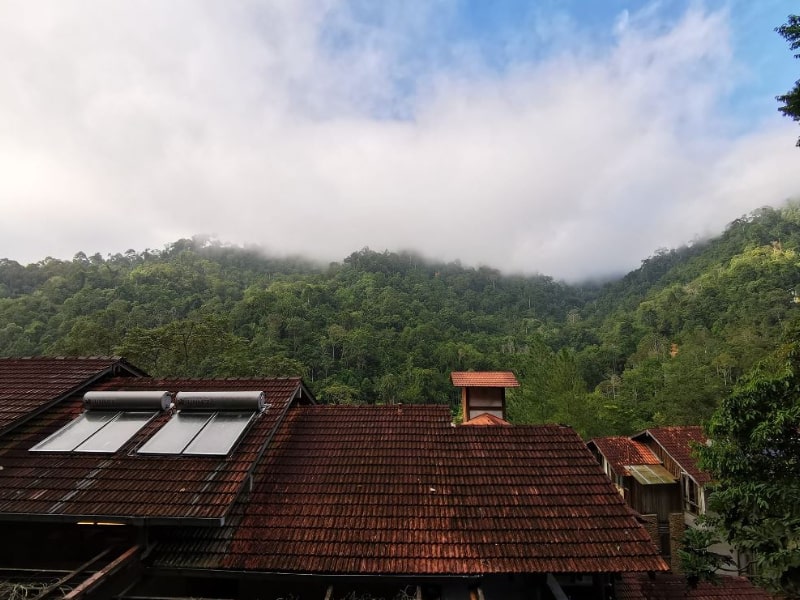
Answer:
(111, 369)
(112, 519)
(657, 566)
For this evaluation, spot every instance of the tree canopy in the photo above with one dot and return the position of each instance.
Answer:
(790, 31)
(661, 346)
(755, 462)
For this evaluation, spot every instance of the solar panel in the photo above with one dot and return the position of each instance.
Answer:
(220, 434)
(173, 437)
(116, 432)
(76, 432)
(96, 431)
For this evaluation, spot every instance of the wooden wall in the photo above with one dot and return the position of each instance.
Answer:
(479, 400)
(657, 499)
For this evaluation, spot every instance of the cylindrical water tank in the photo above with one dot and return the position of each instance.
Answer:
(135, 400)
(220, 401)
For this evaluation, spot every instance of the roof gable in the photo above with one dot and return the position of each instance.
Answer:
(125, 486)
(487, 419)
(30, 385)
(621, 452)
(678, 442)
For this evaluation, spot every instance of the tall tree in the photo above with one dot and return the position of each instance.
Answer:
(790, 31)
(755, 462)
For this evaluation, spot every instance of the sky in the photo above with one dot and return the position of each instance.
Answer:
(571, 138)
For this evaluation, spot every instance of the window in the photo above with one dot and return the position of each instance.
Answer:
(207, 423)
(690, 496)
(109, 420)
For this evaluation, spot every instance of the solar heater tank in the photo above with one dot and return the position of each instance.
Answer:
(134, 400)
(220, 401)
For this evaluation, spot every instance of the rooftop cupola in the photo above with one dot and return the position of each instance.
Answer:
(483, 392)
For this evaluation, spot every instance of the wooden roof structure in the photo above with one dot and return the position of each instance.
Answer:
(323, 490)
(670, 586)
(398, 490)
(621, 452)
(679, 442)
(499, 379)
(487, 419)
(125, 486)
(31, 384)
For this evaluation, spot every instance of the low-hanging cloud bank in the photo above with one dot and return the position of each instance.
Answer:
(307, 129)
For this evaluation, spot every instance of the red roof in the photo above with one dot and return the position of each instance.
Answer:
(487, 419)
(124, 485)
(28, 385)
(398, 490)
(503, 379)
(679, 443)
(621, 452)
(668, 586)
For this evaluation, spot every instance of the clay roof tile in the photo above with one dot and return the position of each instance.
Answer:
(502, 379)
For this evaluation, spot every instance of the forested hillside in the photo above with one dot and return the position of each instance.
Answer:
(662, 345)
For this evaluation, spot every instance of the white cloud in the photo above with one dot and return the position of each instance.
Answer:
(130, 125)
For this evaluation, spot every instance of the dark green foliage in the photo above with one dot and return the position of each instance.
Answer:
(790, 31)
(661, 346)
(755, 461)
(380, 327)
(698, 563)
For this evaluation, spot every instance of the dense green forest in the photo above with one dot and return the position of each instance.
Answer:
(662, 345)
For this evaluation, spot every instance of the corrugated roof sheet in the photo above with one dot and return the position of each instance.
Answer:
(679, 442)
(31, 384)
(398, 490)
(484, 379)
(125, 485)
(651, 474)
(621, 451)
(668, 586)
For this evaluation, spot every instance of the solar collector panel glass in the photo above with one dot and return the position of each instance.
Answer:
(220, 434)
(176, 434)
(75, 433)
(116, 432)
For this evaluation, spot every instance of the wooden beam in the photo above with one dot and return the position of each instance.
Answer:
(109, 569)
(70, 575)
(555, 588)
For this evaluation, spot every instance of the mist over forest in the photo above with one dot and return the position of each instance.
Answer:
(661, 345)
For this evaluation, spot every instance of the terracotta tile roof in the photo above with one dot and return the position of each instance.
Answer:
(487, 419)
(398, 490)
(28, 385)
(621, 452)
(502, 379)
(124, 485)
(668, 586)
(678, 442)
